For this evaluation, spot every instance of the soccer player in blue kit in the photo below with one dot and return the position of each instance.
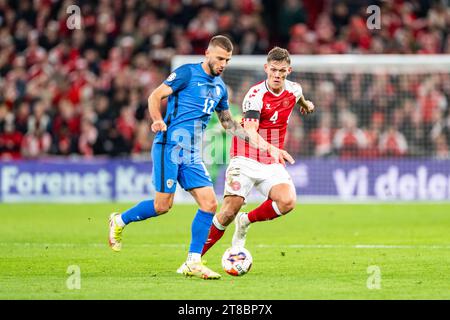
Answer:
(194, 92)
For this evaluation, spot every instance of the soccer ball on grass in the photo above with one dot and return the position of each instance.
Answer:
(237, 261)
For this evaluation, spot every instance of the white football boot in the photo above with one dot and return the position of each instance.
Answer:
(198, 269)
(240, 233)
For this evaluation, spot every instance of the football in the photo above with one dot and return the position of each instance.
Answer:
(237, 261)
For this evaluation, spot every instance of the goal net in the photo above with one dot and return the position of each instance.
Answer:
(381, 129)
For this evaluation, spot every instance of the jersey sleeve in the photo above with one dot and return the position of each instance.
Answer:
(179, 78)
(252, 101)
(252, 105)
(223, 103)
(297, 90)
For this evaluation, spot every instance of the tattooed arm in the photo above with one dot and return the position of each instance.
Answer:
(232, 126)
(306, 106)
(251, 135)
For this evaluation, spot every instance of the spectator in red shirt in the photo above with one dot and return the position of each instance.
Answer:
(88, 138)
(36, 144)
(66, 128)
(10, 140)
(373, 135)
(349, 140)
(322, 137)
(126, 123)
(393, 143)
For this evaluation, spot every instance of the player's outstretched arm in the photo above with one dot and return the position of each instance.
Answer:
(154, 106)
(232, 126)
(306, 106)
(251, 135)
(251, 128)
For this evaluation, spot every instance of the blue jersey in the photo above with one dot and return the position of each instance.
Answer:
(196, 95)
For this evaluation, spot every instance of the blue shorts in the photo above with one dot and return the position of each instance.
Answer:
(169, 167)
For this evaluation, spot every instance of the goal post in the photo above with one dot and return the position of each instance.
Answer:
(338, 63)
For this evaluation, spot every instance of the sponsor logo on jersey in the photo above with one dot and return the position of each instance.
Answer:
(247, 105)
(172, 76)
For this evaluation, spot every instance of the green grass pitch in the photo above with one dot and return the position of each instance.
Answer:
(316, 252)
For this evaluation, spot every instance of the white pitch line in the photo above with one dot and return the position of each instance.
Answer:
(356, 246)
(180, 245)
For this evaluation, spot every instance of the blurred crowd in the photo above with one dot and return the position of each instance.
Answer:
(377, 115)
(83, 92)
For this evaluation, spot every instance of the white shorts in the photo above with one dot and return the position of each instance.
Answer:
(244, 173)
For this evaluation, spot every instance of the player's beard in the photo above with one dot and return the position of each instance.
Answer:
(211, 69)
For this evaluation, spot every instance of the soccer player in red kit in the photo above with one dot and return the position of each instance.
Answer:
(267, 107)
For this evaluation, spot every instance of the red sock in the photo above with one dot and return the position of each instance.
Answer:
(214, 236)
(264, 212)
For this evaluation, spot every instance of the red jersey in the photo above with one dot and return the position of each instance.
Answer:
(275, 110)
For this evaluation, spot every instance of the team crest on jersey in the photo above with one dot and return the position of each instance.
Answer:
(172, 76)
(218, 91)
(235, 185)
(169, 183)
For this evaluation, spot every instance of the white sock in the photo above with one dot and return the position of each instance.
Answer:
(194, 257)
(217, 224)
(275, 207)
(119, 221)
(245, 219)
